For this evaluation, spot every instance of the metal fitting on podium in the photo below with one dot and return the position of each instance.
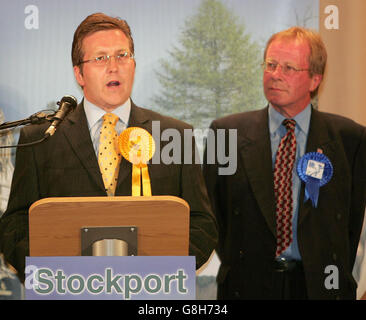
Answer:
(109, 241)
(110, 247)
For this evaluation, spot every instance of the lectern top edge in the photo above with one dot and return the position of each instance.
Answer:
(109, 199)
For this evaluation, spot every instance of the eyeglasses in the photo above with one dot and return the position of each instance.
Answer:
(121, 58)
(287, 70)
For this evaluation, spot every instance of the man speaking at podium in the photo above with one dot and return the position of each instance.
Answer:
(78, 159)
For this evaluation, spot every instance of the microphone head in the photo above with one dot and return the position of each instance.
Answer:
(67, 104)
(70, 100)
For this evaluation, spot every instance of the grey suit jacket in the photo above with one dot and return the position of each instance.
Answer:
(66, 165)
(244, 206)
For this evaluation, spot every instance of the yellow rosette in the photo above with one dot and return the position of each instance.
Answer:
(138, 147)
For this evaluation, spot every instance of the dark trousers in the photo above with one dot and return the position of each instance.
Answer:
(281, 280)
(289, 282)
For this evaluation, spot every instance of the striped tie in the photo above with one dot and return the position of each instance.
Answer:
(285, 159)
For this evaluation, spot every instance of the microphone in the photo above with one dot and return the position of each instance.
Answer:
(67, 104)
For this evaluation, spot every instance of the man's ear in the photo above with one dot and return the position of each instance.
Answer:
(79, 76)
(315, 81)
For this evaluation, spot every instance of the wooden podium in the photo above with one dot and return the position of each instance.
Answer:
(55, 224)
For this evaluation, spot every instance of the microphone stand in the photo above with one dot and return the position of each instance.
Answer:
(36, 118)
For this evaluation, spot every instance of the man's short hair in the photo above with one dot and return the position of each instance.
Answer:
(94, 23)
(318, 53)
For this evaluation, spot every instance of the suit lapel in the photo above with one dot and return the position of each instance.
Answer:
(77, 134)
(318, 135)
(255, 152)
(318, 138)
(137, 118)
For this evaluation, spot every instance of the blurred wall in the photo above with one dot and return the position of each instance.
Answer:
(344, 87)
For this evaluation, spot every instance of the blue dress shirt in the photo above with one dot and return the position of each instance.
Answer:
(94, 116)
(277, 131)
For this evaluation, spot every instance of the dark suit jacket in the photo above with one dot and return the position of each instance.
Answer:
(66, 165)
(245, 208)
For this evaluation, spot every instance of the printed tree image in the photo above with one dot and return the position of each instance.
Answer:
(214, 72)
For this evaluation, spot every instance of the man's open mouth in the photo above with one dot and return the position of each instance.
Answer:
(113, 83)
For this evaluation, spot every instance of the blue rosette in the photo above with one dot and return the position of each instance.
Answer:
(316, 170)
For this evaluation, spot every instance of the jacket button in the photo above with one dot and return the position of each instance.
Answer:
(237, 294)
(236, 211)
(241, 254)
(334, 256)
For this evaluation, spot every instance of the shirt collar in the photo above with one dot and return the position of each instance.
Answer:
(94, 113)
(302, 119)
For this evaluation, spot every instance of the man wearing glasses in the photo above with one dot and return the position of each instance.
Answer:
(68, 163)
(290, 217)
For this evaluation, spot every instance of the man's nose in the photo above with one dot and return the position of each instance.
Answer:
(277, 72)
(112, 63)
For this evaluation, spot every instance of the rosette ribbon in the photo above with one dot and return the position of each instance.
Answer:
(316, 170)
(138, 147)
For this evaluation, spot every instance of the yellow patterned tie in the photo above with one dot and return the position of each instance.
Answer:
(109, 156)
